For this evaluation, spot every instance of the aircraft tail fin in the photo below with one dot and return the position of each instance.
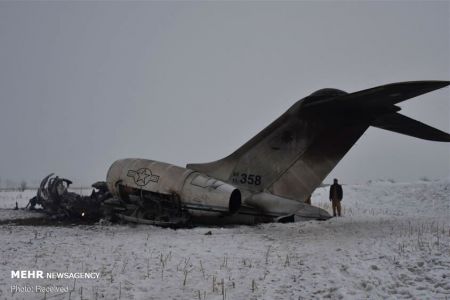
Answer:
(294, 154)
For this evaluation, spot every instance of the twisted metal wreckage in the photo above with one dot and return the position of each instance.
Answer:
(268, 179)
(55, 199)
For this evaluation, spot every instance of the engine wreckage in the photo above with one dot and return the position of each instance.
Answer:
(54, 198)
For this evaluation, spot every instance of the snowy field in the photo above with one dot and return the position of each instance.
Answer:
(393, 242)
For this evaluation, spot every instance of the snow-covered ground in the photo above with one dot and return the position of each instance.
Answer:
(393, 242)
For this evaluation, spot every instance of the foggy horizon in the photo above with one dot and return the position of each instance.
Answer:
(85, 83)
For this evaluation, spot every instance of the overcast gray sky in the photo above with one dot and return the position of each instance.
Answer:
(85, 83)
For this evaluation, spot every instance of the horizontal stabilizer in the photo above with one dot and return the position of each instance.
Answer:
(404, 125)
(385, 95)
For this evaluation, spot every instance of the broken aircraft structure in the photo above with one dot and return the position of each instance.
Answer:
(54, 197)
(267, 179)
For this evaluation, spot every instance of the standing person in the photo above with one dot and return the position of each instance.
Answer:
(336, 195)
(308, 200)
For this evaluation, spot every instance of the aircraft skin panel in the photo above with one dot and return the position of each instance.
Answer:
(160, 177)
(264, 162)
(309, 171)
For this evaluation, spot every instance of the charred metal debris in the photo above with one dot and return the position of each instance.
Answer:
(59, 203)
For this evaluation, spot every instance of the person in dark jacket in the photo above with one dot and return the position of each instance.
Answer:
(336, 195)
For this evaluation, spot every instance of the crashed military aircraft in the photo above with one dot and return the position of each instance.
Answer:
(269, 177)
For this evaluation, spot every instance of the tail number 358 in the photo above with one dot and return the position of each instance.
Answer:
(250, 179)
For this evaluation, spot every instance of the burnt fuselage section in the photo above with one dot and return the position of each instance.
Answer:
(166, 193)
(156, 192)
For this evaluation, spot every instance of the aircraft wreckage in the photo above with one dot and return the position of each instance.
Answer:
(267, 179)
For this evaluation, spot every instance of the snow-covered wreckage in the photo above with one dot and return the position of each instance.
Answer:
(268, 179)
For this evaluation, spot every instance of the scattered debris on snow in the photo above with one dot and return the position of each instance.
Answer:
(393, 242)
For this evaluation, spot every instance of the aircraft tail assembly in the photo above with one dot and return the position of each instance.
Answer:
(378, 105)
(404, 125)
(294, 154)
